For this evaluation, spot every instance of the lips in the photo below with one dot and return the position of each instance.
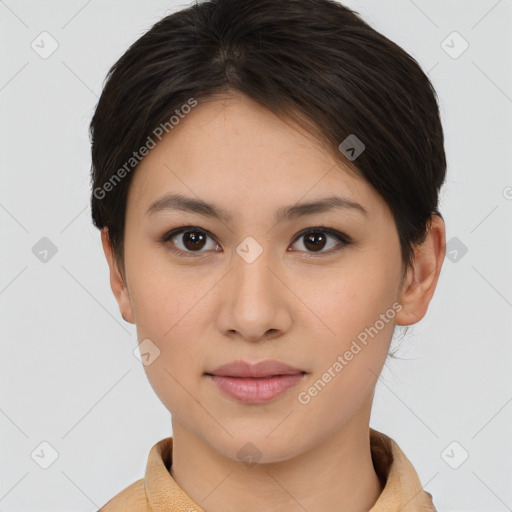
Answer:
(263, 369)
(255, 383)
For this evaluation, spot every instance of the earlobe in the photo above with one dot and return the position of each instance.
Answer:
(117, 283)
(421, 280)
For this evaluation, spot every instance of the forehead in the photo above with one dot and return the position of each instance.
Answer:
(233, 151)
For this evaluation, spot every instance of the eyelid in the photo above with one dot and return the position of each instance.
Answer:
(180, 230)
(324, 229)
(344, 240)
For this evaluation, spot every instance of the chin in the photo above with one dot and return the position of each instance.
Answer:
(252, 446)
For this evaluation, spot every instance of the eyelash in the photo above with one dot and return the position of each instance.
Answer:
(343, 239)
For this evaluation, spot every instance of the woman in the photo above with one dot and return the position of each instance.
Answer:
(265, 176)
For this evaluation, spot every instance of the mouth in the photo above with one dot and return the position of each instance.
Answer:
(256, 390)
(255, 383)
(263, 369)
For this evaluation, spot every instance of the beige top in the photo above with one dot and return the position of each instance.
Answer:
(159, 492)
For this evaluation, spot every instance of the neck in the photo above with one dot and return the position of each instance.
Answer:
(336, 475)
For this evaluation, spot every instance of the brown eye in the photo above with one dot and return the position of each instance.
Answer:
(193, 240)
(189, 240)
(317, 239)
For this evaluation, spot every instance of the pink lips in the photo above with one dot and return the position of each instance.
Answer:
(256, 383)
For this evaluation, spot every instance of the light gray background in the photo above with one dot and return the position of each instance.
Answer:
(67, 372)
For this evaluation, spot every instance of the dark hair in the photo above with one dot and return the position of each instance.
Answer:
(313, 61)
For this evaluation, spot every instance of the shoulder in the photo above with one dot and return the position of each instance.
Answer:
(131, 499)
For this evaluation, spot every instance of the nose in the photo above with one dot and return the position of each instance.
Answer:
(255, 303)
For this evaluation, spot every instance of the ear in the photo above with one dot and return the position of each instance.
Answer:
(420, 282)
(117, 282)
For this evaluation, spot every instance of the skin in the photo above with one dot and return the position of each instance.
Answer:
(208, 310)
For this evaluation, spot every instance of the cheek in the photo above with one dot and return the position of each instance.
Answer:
(348, 362)
(356, 309)
(349, 299)
(169, 315)
(165, 316)
(165, 298)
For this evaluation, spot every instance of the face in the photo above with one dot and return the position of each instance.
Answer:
(256, 284)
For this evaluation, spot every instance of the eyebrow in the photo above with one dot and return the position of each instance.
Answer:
(200, 207)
